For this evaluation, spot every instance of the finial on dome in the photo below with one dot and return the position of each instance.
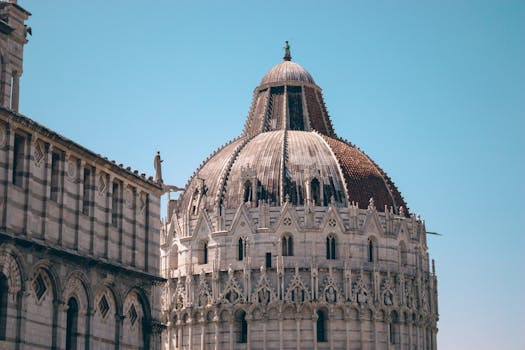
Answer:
(287, 54)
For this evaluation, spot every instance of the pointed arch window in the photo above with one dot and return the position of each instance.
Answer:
(242, 248)
(195, 203)
(393, 328)
(372, 250)
(72, 324)
(330, 247)
(203, 258)
(174, 258)
(403, 254)
(287, 245)
(315, 187)
(321, 326)
(4, 291)
(242, 328)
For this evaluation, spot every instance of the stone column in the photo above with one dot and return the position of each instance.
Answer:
(249, 320)
(46, 163)
(189, 322)
(203, 333)
(88, 314)
(281, 343)
(374, 329)
(434, 340)
(119, 320)
(361, 331)
(418, 342)
(28, 184)
(265, 320)
(59, 308)
(329, 328)
(314, 328)
(216, 336)
(388, 323)
(347, 326)
(15, 91)
(179, 334)
(409, 332)
(298, 332)
(231, 332)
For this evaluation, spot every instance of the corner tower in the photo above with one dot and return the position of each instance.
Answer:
(13, 37)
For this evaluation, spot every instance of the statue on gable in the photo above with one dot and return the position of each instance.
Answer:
(157, 163)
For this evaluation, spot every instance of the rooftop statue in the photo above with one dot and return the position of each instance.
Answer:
(287, 53)
(158, 168)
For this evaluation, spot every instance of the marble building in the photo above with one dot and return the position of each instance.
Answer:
(290, 237)
(79, 234)
(287, 237)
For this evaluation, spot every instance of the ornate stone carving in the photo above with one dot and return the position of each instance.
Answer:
(128, 197)
(38, 152)
(264, 292)
(102, 183)
(11, 270)
(232, 293)
(361, 292)
(387, 292)
(71, 169)
(204, 297)
(297, 291)
(331, 293)
(3, 136)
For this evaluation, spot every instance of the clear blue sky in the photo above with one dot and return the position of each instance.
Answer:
(433, 91)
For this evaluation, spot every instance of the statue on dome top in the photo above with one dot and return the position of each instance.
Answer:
(287, 54)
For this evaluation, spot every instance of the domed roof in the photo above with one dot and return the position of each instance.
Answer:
(287, 71)
(288, 152)
(294, 166)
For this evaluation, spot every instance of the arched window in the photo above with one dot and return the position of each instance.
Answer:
(372, 250)
(403, 254)
(203, 258)
(241, 248)
(393, 328)
(174, 258)
(321, 327)
(247, 192)
(242, 328)
(72, 324)
(287, 245)
(194, 203)
(4, 290)
(330, 247)
(316, 192)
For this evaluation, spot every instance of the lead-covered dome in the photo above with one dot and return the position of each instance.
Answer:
(288, 152)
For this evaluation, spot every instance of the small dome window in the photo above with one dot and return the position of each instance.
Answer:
(315, 192)
(248, 192)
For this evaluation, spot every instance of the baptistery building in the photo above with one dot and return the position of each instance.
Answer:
(290, 237)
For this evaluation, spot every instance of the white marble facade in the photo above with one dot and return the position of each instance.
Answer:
(289, 237)
(359, 277)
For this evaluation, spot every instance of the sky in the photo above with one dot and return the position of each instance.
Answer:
(433, 91)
